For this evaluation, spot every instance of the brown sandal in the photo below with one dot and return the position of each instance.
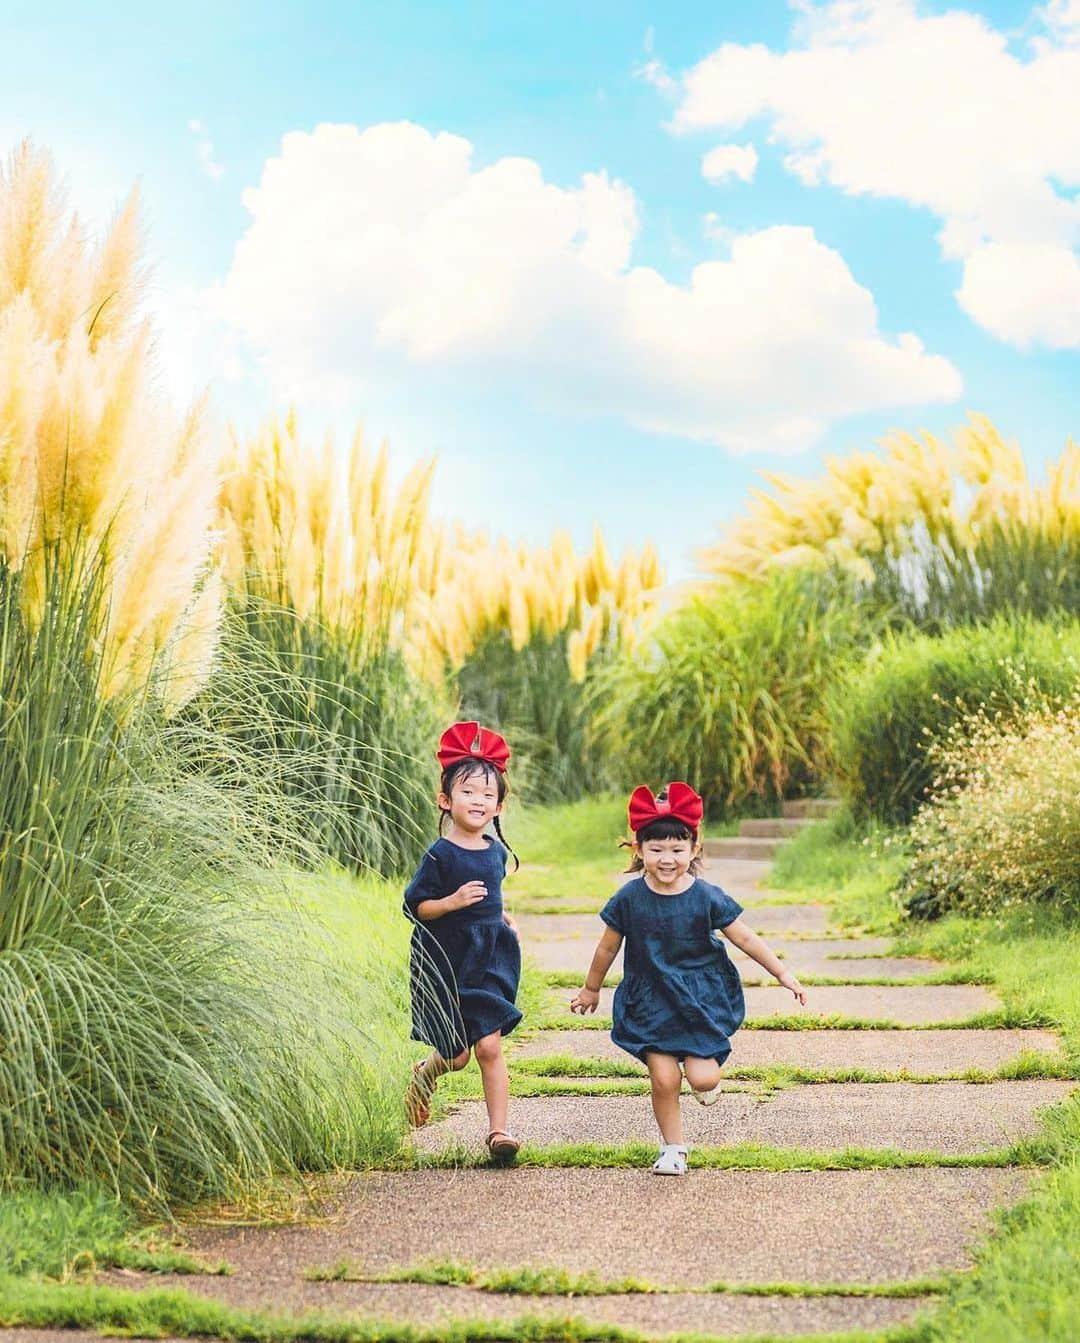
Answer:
(418, 1099)
(503, 1147)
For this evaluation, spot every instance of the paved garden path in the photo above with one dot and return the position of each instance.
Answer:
(918, 1093)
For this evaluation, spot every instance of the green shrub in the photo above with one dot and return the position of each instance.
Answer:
(729, 692)
(1002, 827)
(171, 1026)
(887, 715)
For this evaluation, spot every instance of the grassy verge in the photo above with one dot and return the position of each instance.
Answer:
(156, 1314)
(63, 1235)
(1006, 1018)
(558, 1282)
(737, 1156)
(1026, 1283)
(568, 979)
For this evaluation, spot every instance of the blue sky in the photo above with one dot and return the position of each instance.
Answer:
(607, 388)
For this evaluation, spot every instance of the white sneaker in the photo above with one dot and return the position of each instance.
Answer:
(707, 1097)
(671, 1161)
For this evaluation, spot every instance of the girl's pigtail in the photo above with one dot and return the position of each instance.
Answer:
(506, 846)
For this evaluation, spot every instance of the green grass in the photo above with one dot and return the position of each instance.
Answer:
(155, 1314)
(1026, 1283)
(1006, 1018)
(552, 1281)
(737, 1156)
(60, 1235)
(568, 979)
(1027, 1065)
(853, 869)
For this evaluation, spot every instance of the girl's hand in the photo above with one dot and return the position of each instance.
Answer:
(469, 894)
(586, 1000)
(788, 981)
(511, 925)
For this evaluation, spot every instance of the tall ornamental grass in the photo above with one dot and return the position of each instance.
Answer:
(729, 691)
(888, 714)
(545, 622)
(344, 738)
(94, 472)
(325, 561)
(171, 1024)
(532, 695)
(1002, 828)
(380, 618)
(171, 1027)
(935, 533)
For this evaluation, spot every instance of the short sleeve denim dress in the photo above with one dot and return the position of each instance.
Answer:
(463, 968)
(680, 992)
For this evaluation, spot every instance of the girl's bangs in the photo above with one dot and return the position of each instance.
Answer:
(666, 828)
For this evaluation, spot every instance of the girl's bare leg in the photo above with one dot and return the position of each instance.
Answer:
(665, 1079)
(702, 1074)
(434, 1066)
(489, 1056)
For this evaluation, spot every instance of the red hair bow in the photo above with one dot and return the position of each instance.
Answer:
(681, 804)
(470, 741)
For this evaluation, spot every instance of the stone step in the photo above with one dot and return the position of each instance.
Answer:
(839, 1226)
(819, 808)
(735, 847)
(774, 827)
(956, 1118)
(907, 1005)
(428, 1307)
(922, 1053)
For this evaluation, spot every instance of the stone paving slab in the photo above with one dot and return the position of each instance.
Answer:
(770, 920)
(734, 1226)
(908, 1005)
(923, 1053)
(412, 1303)
(951, 1117)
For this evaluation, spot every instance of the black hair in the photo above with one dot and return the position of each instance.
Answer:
(664, 827)
(465, 769)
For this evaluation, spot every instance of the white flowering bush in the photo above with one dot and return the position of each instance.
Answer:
(1002, 828)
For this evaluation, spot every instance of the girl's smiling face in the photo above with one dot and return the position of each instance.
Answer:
(473, 802)
(667, 862)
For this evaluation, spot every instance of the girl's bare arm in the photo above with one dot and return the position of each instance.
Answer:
(470, 894)
(758, 949)
(588, 996)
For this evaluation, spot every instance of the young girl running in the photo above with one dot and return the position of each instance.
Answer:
(465, 961)
(680, 999)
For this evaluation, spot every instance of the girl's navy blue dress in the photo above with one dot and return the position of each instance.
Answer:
(680, 993)
(464, 968)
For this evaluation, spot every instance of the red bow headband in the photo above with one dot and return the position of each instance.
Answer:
(470, 741)
(681, 804)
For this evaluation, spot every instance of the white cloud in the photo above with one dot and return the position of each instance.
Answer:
(653, 71)
(726, 161)
(876, 99)
(1024, 293)
(1062, 17)
(716, 231)
(381, 252)
(205, 147)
